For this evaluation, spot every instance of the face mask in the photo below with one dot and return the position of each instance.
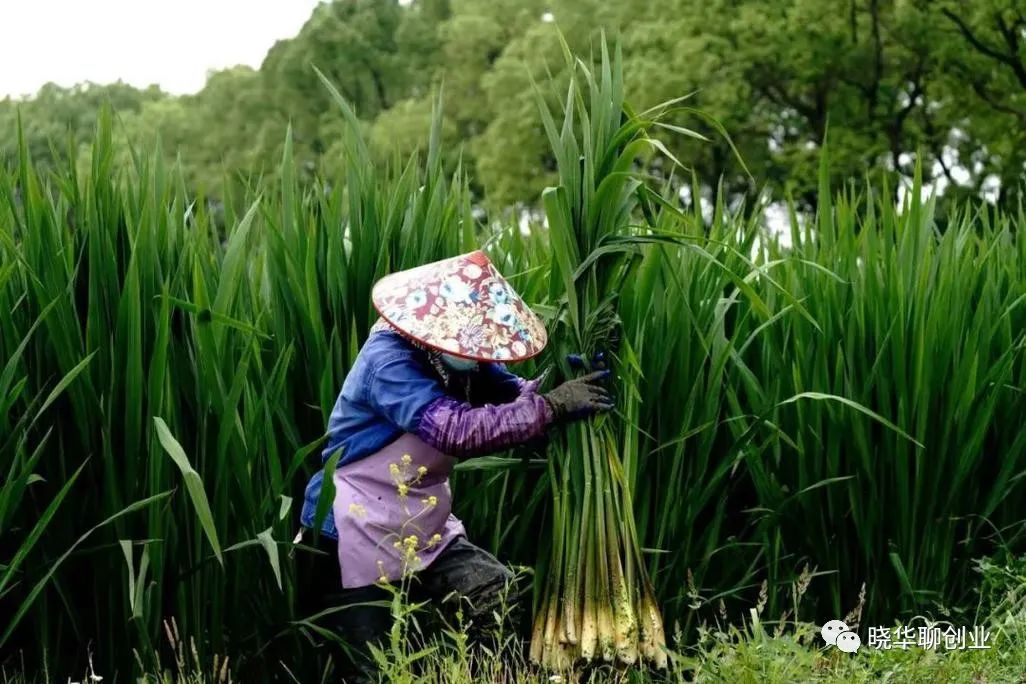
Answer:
(457, 364)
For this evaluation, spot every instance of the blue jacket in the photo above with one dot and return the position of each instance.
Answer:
(392, 378)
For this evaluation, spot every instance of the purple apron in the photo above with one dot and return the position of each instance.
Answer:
(393, 512)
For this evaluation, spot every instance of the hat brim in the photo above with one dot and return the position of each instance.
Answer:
(461, 306)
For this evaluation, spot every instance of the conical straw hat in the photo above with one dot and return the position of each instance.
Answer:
(461, 306)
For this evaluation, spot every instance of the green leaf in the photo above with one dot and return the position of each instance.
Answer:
(285, 507)
(821, 396)
(193, 484)
(63, 384)
(327, 496)
(266, 539)
(484, 463)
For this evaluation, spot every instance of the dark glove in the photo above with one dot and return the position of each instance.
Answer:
(580, 397)
(598, 361)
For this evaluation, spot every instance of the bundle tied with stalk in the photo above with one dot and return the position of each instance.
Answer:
(598, 603)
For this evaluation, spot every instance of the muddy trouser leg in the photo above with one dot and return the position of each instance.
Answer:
(471, 577)
(361, 625)
(358, 625)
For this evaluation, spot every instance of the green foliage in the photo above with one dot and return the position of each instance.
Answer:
(941, 84)
(755, 651)
(57, 119)
(148, 349)
(852, 402)
(936, 348)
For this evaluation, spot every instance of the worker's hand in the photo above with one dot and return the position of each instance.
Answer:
(578, 362)
(580, 397)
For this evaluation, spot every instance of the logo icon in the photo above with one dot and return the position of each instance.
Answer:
(831, 630)
(848, 642)
(836, 633)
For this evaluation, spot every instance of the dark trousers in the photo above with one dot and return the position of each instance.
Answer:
(462, 576)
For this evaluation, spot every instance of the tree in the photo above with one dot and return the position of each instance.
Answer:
(56, 117)
(982, 49)
(890, 84)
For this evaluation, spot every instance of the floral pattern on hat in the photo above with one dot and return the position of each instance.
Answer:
(462, 306)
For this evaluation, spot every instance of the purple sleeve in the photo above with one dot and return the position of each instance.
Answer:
(463, 431)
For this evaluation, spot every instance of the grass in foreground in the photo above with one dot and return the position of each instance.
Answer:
(750, 654)
(753, 650)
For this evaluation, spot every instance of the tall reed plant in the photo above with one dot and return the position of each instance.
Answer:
(852, 402)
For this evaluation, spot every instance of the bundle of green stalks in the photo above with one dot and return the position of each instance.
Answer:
(598, 602)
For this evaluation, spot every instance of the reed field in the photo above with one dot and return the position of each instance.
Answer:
(845, 413)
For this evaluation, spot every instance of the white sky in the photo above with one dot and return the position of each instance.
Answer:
(172, 42)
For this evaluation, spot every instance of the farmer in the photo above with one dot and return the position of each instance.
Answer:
(427, 389)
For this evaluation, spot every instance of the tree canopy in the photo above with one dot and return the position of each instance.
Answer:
(890, 83)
